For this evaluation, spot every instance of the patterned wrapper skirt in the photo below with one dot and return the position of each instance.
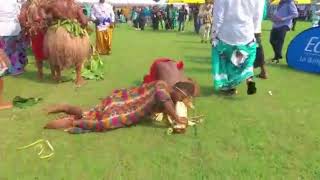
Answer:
(15, 48)
(226, 74)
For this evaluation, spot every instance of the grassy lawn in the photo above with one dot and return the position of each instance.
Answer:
(243, 137)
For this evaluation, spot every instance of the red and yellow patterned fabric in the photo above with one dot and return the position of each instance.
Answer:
(123, 108)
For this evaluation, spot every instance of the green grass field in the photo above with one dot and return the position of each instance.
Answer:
(243, 137)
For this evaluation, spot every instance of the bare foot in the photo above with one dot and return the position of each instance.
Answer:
(5, 105)
(62, 123)
(80, 82)
(40, 76)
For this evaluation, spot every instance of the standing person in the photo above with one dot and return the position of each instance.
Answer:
(234, 48)
(155, 18)
(206, 20)
(103, 16)
(182, 17)
(196, 21)
(294, 20)
(11, 39)
(169, 15)
(282, 22)
(33, 24)
(142, 18)
(4, 62)
(134, 17)
(260, 59)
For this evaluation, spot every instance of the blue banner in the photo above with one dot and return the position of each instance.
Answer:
(304, 51)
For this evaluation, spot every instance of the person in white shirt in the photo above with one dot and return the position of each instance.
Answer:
(11, 39)
(234, 48)
(103, 15)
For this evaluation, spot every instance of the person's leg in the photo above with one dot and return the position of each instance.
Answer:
(183, 23)
(57, 73)
(207, 33)
(79, 79)
(39, 64)
(273, 41)
(202, 33)
(294, 22)
(179, 26)
(3, 105)
(282, 35)
(65, 108)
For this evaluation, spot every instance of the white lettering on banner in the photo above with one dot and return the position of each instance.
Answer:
(310, 60)
(302, 59)
(311, 43)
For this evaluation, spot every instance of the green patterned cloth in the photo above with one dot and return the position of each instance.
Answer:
(226, 74)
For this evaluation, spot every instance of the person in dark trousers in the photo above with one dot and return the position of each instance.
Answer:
(294, 20)
(142, 18)
(182, 17)
(155, 18)
(169, 17)
(282, 22)
(196, 21)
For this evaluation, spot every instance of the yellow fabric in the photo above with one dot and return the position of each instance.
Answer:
(103, 41)
(299, 1)
(186, 1)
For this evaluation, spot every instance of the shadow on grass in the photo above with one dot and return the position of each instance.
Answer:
(152, 124)
(288, 68)
(208, 91)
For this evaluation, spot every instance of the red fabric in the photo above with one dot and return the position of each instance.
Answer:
(152, 76)
(37, 46)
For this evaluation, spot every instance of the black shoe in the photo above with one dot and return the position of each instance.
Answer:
(251, 88)
(275, 60)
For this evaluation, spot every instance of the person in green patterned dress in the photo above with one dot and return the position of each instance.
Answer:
(125, 107)
(234, 47)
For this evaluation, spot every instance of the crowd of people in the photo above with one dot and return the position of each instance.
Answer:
(56, 31)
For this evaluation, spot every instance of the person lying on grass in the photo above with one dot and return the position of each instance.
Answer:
(3, 69)
(124, 107)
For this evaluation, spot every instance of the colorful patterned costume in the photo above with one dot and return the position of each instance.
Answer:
(123, 108)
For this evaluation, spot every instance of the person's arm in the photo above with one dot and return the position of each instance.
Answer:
(93, 14)
(218, 17)
(23, 16)
(163, 96)
(293, 11)
(258, 16)
(112, 16)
